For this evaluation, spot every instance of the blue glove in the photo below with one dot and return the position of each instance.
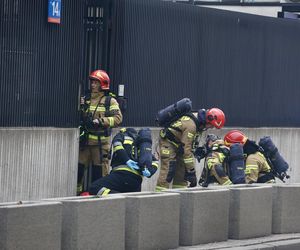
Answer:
(146, 172)
(132, 164)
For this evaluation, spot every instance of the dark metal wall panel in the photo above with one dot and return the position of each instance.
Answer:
(244, 64)
(40, 63)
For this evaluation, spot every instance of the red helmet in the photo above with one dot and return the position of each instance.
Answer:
(235, 136)
(102, 77)
(215, 117)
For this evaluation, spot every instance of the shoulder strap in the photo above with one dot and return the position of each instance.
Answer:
(195, 120)
(107, 104)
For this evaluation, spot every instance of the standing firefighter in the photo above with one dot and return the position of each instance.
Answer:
(177, 140)
(257, 167)
(99, 114)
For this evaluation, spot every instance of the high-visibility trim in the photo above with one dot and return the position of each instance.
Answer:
(114, 107)
(159, 188)
(175, 144)
(155, 164)
(128, 142)
(105, 192)
(127, 169)
(116, 148)
(185, 118)
(190, 135)
(95, 137)
(188, 160)
(111, 121)
(227, 182)
(176, 124)
(165, 152)
(99, 108)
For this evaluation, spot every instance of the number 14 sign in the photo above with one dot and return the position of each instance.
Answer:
(54, 11)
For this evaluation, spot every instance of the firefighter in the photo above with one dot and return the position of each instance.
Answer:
(257, 167)
(132, 159)
(176, 147)
(216, 167)
(99, 114)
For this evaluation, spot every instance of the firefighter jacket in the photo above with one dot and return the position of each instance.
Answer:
(182, 134)
(124, 148)
(106, 110)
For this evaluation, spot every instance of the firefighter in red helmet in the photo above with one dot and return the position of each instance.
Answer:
(177, 143)
(257, 167)
(99, 114)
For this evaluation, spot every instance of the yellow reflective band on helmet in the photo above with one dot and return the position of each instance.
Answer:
(188, 160)
(116, 148)
(111, 121)
(165, 151)
(190, 135)
(114, 107)
(95, 137)
(227, 182)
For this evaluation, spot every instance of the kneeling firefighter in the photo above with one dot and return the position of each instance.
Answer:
(223, 165)
(257, 168)
(132, 159)
(181, 130)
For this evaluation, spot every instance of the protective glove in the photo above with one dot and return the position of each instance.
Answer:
(132, 164)
(190, 176)
(146, 172)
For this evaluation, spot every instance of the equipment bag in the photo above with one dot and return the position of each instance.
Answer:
(237, 164)
(144, 144)
(271, 152)
(173, 112)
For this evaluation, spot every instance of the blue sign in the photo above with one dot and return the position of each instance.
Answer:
(54, 7)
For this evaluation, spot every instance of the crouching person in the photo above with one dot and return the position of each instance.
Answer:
(132, 159)
(215, 167)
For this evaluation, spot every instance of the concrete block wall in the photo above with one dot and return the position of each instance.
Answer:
(250, 212)
(286, 209)
(203, 215)
(152, 221)
(149, 220)
(30, 226)
(38, 163)
(93, 223)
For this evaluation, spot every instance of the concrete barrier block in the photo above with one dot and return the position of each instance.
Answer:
(250, 212)
(30, 225)
(203, 216)
(286, 213)
(152, 221)
(93, 223)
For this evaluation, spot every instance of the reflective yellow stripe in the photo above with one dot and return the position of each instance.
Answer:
(95, 137)
(159, 188)
(127, 169)
(155, 164)
(128, 142)
(185, 118)
(116, 148)
(105, 192)
(227, 182)
(165, 151)
(111, 121)
(176, 124)
(188, 160)
(190, 135)
(99, 108)
(114, 107)
(175, 144)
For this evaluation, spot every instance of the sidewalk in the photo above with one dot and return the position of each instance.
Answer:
(275, 241)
